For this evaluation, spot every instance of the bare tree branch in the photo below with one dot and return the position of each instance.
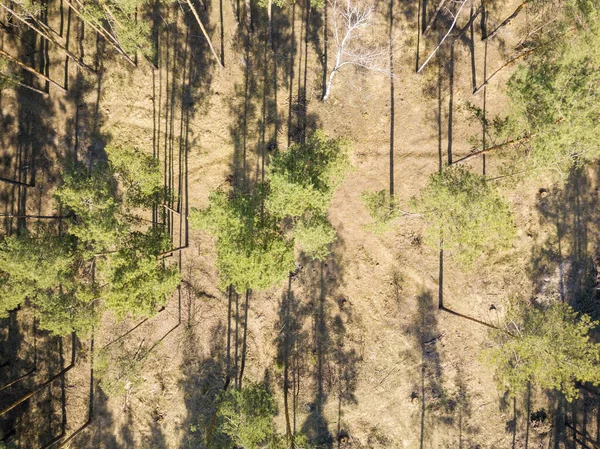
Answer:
(463, 3)
(349, 18)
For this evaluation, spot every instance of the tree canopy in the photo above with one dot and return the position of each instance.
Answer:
(467, 213)
(549, 347)
(245, 420)
(101, 259)
(555, 96)
(257, 231)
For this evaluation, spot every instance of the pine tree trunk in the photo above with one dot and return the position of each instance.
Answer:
(212, 49)
(506, 64)
(244, 340)
(49, 38)
(29, 69)
(434, 16)
(506, 21)
(107, 37)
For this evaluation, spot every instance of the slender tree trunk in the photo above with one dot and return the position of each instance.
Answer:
(49, 38)
(212, 49)
(29, 69)
(249, 16)
(286, 356)
(269, 14)
(107, 37)
(506, 21)
(325, 48)
(229, 301)
(492, 148)
(329, 83)
(506, 64)
(237, 338)
(244, 340)
(464, 29)
(444, 38)
(43, 385)
(18, 183)
(34, 89)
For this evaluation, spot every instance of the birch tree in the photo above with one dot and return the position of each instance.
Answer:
(350, 19)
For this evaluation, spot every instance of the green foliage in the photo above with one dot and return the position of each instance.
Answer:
(252, 252)
(313, 236)
(382, 208)
(550, 348)
(555, 96)
(246, 416)
(302, 182)
(94, 203)
(256, 231)
(138, 172)
(7, 445)
(68, 310)
(132, 34)
(29, 265)
(467, 212)
(119, 369)
(7, 79)
(99, 260)
(306, 175)
(245, 421)
(137, 283)
(31, 8)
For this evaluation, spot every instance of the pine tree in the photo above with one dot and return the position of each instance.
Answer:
(467, 213)
(257, 231)
(102, 260)
(550, 348)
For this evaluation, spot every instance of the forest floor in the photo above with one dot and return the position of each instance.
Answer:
(370, 354)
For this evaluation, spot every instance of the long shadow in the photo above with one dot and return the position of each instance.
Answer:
(29, 357)
(392, 99)
(564, 267)
(292, 347)
(564, 264)
(438, 405)
(203, 374)
(336, 355)
(256, 123)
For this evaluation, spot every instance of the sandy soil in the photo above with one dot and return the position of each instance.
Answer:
(367, 350)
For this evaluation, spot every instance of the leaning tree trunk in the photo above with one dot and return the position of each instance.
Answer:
(49, 38)
(506, 21)
(107, 37)
(492, 148)
(212, 49)
(506, 64)
(31, 70)
(434, 16)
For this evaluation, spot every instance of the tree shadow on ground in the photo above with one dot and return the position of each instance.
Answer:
(203, 372)
(257, 119)
(564, 267)
(442, 402)
(336, 350)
